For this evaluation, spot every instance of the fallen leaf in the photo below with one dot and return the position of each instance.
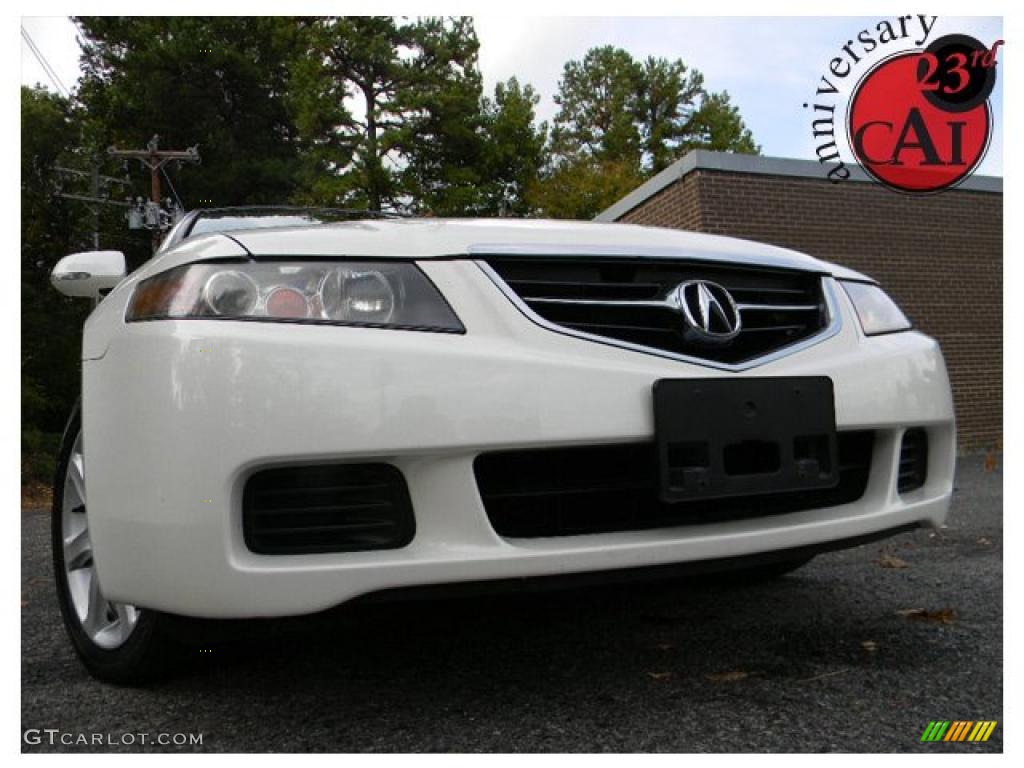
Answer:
(728, 677)
(942, 616)
(869, 645)
(891, 561)
(659, 675)
(991, 461)
(984, 541)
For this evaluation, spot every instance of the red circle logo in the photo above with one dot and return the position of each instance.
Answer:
(905, 135)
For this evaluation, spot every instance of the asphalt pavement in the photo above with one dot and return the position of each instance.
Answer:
(856, 652)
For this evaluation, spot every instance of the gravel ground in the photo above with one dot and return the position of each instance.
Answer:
(822, 660)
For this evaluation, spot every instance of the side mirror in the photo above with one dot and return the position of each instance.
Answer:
(88, 275)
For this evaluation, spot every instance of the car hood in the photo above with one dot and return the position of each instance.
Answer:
(448, 238)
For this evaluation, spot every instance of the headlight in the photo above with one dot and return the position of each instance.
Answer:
(876, 311)
(377, 294)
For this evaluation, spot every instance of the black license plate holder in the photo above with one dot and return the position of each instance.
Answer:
(739, 437)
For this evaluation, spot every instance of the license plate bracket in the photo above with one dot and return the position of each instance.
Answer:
(738, 437)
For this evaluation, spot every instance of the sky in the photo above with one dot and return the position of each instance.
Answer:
(769, 65)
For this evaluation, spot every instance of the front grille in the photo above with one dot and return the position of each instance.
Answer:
(913, 460)
(326, 508)
(626, 300)
(605, 488)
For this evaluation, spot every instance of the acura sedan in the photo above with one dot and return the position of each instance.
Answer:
(284, 410)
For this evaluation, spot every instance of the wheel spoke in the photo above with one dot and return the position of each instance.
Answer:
(125, 615)
(95, 616)
(78, 587)
(76, 474)
(78, 551)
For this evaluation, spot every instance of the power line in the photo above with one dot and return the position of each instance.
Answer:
(50, 72)
(40, 58)
(171, 185)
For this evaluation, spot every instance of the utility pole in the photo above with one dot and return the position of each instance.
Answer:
(155, 159)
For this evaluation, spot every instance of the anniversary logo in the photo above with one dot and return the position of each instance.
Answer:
(918, 119)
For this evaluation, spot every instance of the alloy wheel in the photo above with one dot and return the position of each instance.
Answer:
(106, 623)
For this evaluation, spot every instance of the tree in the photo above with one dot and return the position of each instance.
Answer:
(328, 134)
(515, 149)
(649, 114)
(442, 140)
(50, 324)
(356, 58)
(413, 140)
(717, 125)
(666, 101)
(620, 121)
(221, 82)
(583, 188)
(598, 101)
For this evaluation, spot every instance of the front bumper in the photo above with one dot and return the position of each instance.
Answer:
(178, 414)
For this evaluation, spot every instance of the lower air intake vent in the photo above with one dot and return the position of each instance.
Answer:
(328, 508)
(605, 488)
(913, 460)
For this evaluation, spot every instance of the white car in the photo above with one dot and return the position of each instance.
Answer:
(282, 411)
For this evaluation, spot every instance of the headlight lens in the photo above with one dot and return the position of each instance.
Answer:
(876, 311)
(344, 293)
(378, 294)
(230, 293)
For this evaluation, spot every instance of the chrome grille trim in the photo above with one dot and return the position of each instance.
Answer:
(833, 324)
(666, 304)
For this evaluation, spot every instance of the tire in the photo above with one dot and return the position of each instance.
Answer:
(117, 643)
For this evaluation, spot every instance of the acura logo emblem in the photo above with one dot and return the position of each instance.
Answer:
(710, 312)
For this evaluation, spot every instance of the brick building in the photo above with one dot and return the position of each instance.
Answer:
(939, 257)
